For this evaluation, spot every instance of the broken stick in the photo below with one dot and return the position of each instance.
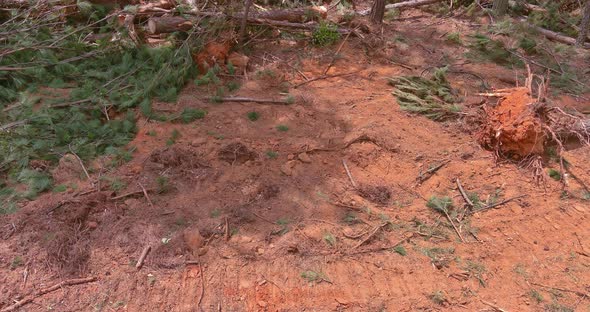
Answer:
(248, 99)
(377, 228)
(465, 197)
(145, 193)
(130, 194)
(430, 172)
(349, 174)
(42, 292)
(497, 204)
(144, 254)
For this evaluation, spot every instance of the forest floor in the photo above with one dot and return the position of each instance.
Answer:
(269, 219)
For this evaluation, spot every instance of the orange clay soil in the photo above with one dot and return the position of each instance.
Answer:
(273, 219)
(512, 128)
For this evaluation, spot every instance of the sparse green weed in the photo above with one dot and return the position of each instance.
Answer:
(253, 115)
(400, 250)
(272, 154)
(283, 128)
(326, 34)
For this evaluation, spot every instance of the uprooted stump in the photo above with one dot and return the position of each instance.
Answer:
(515, 128)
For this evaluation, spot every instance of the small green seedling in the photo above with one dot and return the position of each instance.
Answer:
(253, 116)
(283, 128)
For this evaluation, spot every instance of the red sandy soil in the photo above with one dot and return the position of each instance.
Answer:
(287, 215)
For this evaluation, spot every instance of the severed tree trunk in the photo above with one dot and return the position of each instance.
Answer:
(377, 11)
(168, 24)
(584, 25)
(244, 22)
(500, 7)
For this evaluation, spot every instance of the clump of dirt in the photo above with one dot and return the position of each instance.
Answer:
(512, 128)
(213, 53)
(175, 157)
(236, 153)
(267, 192)
(380, 195)
(66, 238)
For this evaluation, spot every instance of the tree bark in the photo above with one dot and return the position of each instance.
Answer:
(410, 4)
(378, 11)
(500, 7)
(168, 24)
(244, 22)
(558, 37)
(584, 25)
(297, 15)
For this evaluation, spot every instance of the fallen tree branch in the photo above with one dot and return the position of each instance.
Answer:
(141, 259)
(348, 173)
(555, 36)
(579, 293)
(248, 99)
(130, 194)
(465, 197)
(307, 26)
(325, 77)
(375, 230)
(42, 292)
(410, 4)
(497, 204)
(430, 172)
(383, 248)
(168, 24)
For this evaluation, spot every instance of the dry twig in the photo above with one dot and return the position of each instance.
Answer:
(144, 254)
(497, 204)
(349, 174)
(377, 228)
(42, 292)
(465, 197)
(145, 193)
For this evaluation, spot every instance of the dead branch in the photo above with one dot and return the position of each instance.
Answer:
(577, 292)
(81, 163)
(248, 99)
(168, 24)
(465, 197)
(430, 172)
(383, 248)
(410, 4)
(42, 292)
(242, 34)
(557, 36)
(497, 204)
(335, 55)
(227, 234)
(202, 284)
(453, 224)
(130, 194)
(375, 230)
(307, 26)
(141, 259)
(495, 307)
(145, 193)
(348, 173)
(325, 77)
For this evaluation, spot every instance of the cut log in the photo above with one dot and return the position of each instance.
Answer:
(410, 4)
(298, 15)
(555, 36)
(309, 26)
(377, 11)
(529, 7)
(168, 24)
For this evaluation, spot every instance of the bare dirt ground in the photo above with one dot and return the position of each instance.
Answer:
(272, 222)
